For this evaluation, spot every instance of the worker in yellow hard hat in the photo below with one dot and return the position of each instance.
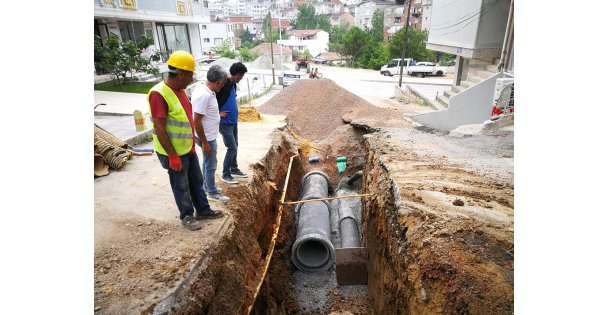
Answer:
(173, 135)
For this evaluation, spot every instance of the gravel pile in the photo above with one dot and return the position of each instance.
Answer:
(264, 62)
(314, 108)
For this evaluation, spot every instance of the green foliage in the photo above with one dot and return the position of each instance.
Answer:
(354, 44)
(121, 58)
(129, 87)
(309, 20)
(416, 45)
(446, 59)
(224, 50)
(244, 35)
(377, 32)
(336, 36)
(379, 56)
(247, 55)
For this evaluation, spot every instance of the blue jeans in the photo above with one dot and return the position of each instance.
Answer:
(187, 185)
(209, 167)
(230, 134)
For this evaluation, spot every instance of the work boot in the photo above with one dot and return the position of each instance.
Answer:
(217, 197)
(209, 215)
(229, 179)
(238, 174)
(191, 224)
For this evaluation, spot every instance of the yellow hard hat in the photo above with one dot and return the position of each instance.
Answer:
(181, 60)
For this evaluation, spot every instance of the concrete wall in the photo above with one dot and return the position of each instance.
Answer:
(493, 24)
(471, 106)
(445, 14)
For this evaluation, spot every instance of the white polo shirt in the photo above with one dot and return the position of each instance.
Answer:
(204, 102)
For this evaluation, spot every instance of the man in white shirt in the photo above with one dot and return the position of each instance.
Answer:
(206, 124)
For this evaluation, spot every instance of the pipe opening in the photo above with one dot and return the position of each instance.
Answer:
(312, 254)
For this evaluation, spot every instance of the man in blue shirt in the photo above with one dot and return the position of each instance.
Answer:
(226, 100)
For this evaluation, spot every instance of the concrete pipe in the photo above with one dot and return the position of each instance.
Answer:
(314, 185)
(349, 209)
(313, 250)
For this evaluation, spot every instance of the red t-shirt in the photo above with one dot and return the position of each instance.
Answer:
(159, 108)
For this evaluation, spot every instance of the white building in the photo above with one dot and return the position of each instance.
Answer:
(314, 40)
(214, 34)
(426, 14)
(364, 12)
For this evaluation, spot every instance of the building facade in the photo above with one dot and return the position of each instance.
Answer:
(174, 25)
(315, 41)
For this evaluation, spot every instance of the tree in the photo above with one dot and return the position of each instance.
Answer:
(308, 19)
(336, 36)
(416, 45)
(244, 35)
(379, 56)
(119, 58)
(354, 43)
(377, 32)
(224, 50)
(247, 55)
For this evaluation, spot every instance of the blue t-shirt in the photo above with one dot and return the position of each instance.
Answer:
(232, 108)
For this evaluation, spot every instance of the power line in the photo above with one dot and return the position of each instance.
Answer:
(466, 16)
(482, 13)
(485, 8)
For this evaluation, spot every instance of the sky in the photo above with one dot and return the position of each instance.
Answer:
(47, 226)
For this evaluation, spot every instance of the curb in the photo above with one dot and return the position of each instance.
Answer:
(140, 138)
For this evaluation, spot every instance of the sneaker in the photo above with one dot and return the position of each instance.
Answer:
(190, 223)
(238, 174)
(229, 179)
(217, 197)
(210, 215)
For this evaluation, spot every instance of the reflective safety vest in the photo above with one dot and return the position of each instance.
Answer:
(178, 126)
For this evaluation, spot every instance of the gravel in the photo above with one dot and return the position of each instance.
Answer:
(314, 108)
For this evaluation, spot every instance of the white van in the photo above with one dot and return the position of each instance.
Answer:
(393, 67)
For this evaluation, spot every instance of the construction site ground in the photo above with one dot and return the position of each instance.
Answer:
(439, 221)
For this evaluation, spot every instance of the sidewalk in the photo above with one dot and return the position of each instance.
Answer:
(116, 116)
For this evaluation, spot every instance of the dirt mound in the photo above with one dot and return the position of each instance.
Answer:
(249, 114)
(264, 62)
(315, 108)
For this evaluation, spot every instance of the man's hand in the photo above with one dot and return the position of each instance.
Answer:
(224, 114)
(206, 147)
(175, 163)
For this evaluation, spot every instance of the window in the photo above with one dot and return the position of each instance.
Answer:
(397, 20)
(218, 41)
(206, 40)
(203, 26)
(130, 30)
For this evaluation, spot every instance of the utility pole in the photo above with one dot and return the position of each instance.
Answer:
(281, 46)
(407, 28)
(271, 51)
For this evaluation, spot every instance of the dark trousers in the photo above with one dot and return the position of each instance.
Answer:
(230, 134)
(187, 185)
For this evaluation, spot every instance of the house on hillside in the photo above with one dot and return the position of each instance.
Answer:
(315, 41)
(331, 58)
(484, 64)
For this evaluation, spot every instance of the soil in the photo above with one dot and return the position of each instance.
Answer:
(438, 223)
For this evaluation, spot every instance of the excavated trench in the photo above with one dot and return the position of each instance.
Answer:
(421, 261)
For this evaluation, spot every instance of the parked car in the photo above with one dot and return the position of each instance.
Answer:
(424, 68)
(393, 67)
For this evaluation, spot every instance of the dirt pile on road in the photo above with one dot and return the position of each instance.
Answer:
(315, 108)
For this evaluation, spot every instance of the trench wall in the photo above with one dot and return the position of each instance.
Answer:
(224, 282)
